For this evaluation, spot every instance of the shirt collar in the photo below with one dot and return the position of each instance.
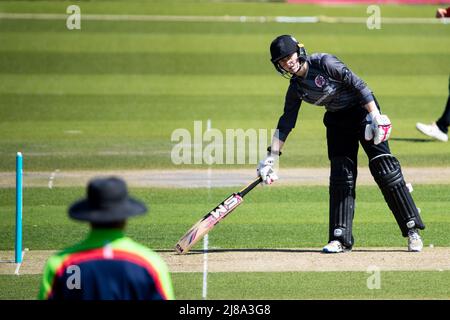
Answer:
(102, 236)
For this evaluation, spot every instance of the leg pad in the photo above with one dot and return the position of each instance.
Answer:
(388, 174)
(342, 200)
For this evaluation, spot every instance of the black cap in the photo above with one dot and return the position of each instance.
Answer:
(107, 201)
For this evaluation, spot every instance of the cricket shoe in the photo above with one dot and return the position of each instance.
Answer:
(432, 130)
(335, 246)
(415, 243)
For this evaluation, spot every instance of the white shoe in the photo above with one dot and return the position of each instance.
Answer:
(415, 243)
(335, 246)
(432, 130)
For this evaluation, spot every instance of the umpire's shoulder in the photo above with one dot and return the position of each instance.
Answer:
(143, 251)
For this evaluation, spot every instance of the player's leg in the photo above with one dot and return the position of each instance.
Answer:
(386, 170)
(342, 201)
(439, 129)
(444, 121)
(342, 142)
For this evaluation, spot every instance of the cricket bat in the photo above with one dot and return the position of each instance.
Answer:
(212, 218)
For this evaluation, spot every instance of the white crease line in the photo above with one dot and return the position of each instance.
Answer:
(205, 268)
(16, 272)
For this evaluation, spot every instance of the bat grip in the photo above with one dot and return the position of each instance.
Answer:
(250, 187)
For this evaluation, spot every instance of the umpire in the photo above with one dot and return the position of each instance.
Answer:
(352, 117)
(107, 265)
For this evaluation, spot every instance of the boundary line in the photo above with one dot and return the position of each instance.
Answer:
(252, 19)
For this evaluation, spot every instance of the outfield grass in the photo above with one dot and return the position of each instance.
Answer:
(111, 94)
(314, 285)
(279, 285)
(299, 220)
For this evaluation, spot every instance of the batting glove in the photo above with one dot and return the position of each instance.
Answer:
(265, 170)
(379, 127)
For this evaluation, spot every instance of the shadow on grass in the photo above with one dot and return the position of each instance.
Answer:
(319, 251)
(412, 140)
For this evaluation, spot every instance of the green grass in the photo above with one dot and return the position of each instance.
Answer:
(110, 95)
(23, 287)
(313, 285)
(300, 218)
(279, 286)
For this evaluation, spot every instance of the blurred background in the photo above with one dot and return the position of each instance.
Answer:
(110, 94)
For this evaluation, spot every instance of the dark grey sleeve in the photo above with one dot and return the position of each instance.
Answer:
(289, 117)
(339, 71)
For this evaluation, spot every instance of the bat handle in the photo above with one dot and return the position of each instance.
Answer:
(250, 187)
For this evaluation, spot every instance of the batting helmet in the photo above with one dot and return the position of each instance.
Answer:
(284, 46)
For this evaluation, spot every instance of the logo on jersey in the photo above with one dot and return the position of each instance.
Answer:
(320, 81)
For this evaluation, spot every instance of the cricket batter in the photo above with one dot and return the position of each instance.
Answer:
(352, 117)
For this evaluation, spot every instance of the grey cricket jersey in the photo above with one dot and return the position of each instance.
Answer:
(328, 83)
